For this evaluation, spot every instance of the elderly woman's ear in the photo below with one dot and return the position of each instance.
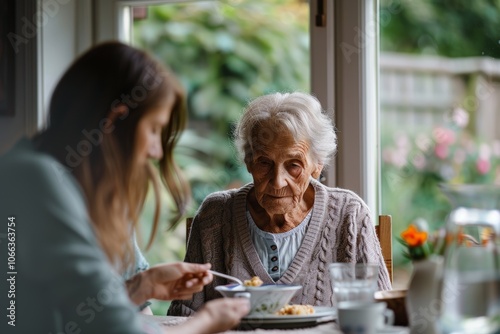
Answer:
(317, 171)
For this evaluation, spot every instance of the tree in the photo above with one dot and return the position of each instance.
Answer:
(451, 28)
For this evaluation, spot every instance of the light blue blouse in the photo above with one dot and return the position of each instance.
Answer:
(140, 262)
(277, 250)
(140, 265)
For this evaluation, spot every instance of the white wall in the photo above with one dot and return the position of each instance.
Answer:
(64, 30)
(57, 51)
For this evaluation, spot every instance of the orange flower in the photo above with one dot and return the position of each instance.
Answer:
(413, 237)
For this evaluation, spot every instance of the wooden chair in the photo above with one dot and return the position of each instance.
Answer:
(384, 234)
(189, 221)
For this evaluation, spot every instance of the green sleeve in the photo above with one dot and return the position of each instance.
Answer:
(64, 281)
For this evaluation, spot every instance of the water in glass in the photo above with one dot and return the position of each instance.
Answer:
(354, 282)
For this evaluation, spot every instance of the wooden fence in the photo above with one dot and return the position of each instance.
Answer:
(416, 92)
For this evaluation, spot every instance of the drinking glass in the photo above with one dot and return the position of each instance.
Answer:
(354, 281)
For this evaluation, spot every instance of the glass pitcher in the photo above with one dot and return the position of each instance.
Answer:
(470, 294)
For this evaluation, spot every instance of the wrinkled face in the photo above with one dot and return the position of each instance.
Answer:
(148, 143)
(281, 169)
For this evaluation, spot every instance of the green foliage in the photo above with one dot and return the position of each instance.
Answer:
(225, 53)
(452, 28)
(168, 245)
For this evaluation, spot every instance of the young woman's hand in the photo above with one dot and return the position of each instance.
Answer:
(178, 280)
(215, 316)
(223, 313)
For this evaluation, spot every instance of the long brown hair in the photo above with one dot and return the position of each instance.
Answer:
(97, 145)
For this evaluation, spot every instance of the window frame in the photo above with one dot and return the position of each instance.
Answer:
(348, 91)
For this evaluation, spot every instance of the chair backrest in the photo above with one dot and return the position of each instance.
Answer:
(189, 221)
(384, 234)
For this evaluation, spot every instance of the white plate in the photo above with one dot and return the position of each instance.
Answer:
(321, 314)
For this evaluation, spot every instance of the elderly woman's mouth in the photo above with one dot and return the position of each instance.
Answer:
(277, 197)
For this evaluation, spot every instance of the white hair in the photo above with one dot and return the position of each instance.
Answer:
(300, 113)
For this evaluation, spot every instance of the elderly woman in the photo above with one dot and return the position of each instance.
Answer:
(285, 227)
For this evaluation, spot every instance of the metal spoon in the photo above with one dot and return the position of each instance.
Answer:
(229, 277)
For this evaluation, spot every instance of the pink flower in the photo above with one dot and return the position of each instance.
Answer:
(483, 166)
(402, 142)
(399, 158)
(444, 136)
(441, 151)
(460, 117)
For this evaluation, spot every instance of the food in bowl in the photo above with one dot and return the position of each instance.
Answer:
(254, 281)
(296, 310)
(264, 299)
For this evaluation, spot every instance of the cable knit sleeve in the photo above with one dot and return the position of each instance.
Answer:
(360, 240)
(369, 251)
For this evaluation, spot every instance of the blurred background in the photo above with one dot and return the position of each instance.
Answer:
(439, 92)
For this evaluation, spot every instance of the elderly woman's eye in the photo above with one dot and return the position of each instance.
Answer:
(294, 169)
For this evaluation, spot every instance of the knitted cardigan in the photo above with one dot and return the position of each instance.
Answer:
(340, 230)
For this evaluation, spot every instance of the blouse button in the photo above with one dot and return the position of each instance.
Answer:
(275, 268)
(274, 258)
(273, 247)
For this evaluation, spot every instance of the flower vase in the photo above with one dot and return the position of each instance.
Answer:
(423, 295)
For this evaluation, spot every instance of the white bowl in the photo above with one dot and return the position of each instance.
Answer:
(264, 299)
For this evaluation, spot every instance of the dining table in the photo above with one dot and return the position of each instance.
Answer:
(330, 327)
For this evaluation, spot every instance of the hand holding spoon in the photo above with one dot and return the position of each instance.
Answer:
(229, 277)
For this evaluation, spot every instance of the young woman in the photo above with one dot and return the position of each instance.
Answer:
(75, 191)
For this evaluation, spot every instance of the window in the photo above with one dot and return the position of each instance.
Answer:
(439, 88)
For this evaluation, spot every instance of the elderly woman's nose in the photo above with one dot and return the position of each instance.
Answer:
(279, 178)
